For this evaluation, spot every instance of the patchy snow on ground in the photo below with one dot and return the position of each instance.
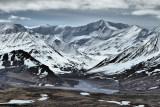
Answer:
(125, 102)
(152, 88)
(84, 93)
(43, 97)
(117, 102)
(101, 100)
(19, 102)
(48, 85)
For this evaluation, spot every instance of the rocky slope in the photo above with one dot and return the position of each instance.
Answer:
(20, 67)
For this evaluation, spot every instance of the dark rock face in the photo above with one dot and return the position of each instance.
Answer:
(17, 58)
(18, 71)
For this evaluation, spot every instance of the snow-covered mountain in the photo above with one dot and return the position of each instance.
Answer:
(128, 53)
(81, 37)
(50, 34)
(99, 38)
(132, 61)
(63, 48)
(90, 44)
(37, 48)
(9, 28)
(135, 68)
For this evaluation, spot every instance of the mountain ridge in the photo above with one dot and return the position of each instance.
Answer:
(82, 46)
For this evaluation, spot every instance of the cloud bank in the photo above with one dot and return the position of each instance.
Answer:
(134, 7)
(22, 5)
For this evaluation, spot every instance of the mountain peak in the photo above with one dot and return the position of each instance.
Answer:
(111, 25)
(12, 28)
(101, 21)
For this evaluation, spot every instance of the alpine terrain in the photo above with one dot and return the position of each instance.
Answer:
(99, 57)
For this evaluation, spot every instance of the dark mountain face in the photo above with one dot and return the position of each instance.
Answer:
(20, 67)
(16, 58)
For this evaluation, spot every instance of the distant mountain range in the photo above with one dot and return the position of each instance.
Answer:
(102, 49)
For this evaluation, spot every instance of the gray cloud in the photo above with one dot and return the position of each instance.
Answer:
(134, 7)
(143, 4)
(22, 5)
(145, 7)
(155, 13)
(80, 12)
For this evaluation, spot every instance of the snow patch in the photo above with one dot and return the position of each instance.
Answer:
(114, 102)
(29, 63)
(84, 93)
(101, 100)
(152, 88)
(43, 97)
(1, 67)
(49, 85)
(19, 102)
(44, 74)
(117, 102)
(39, 71)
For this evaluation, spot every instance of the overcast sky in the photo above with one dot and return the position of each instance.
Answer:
(144, 13)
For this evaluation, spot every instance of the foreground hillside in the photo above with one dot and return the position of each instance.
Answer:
(42, 97)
